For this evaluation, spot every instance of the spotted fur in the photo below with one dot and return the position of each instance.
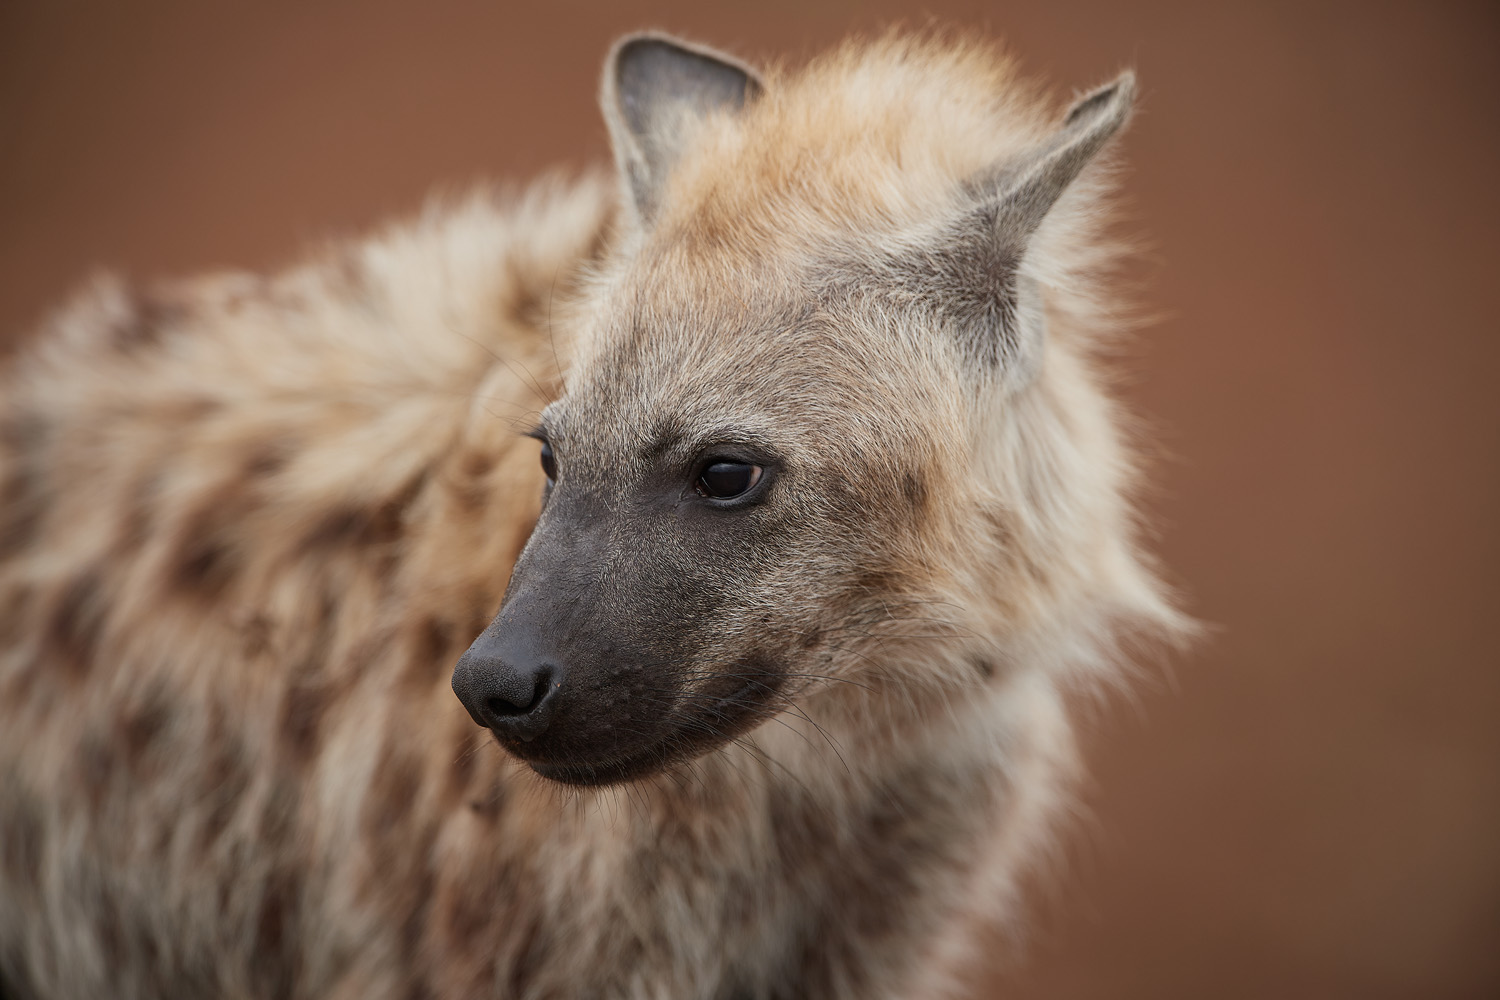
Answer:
(249, 524)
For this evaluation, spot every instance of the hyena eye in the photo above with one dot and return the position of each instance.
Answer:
(727, 480)
(549, 462)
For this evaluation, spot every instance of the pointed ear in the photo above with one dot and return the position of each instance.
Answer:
(656, 92)
(1026, 192)
(978, 261)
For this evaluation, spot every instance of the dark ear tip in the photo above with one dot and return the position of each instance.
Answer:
(635, 41)
(1113, 100)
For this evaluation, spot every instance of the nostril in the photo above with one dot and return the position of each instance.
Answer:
(506, 707)
(511, 691)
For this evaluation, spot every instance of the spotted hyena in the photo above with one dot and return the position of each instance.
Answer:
(831, 505)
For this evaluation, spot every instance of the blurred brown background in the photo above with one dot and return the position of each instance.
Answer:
(1308, 805)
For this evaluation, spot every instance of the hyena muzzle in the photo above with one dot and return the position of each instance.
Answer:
(833, 506)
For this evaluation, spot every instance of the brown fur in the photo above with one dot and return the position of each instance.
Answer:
(249, 525)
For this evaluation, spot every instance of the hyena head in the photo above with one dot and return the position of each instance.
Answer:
(824, 424)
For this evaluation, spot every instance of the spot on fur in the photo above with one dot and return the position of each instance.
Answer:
(527, 308)
(915, 491)
(267, 459)
(489, 803)
(76, 623)
(205, 562)
(141, 726)
(432, 650)
(20, 837)
(276, 929)
(302, 712)
(353, 525)
(205, 567)
(145, 321)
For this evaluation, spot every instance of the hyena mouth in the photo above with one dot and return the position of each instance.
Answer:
(612, 773)
(586, 746)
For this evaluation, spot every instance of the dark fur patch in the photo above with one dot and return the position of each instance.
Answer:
(277, 936)
(879, 581)
(469, 495)
(149, 318)
(276, 948)
(20, 837)
(353, 525)
(527, 307)
(340, 526)
(76, 623)
(529, 956)
(489, 803)
(205, 566)
(311, 691)
(302, 712)
(257, 632)
(432, 650)
(205, 561)
(468, 487)
(141, 726)
(478, 464)
(267, 459)
(915, 491)
(418, 989)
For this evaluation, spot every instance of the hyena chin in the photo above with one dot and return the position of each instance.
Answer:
(832, 506)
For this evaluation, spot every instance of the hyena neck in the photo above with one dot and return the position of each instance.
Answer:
(830, 811)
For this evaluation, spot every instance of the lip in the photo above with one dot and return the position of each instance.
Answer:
(607, 773)
(730, 712)
(638, 761)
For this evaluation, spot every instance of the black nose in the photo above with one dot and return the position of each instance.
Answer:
(506, 688)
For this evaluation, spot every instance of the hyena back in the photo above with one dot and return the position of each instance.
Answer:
(832, 505)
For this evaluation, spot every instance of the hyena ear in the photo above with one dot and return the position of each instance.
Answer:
(998, 310)
(657, 90)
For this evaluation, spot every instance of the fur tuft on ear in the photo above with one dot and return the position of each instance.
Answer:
(978, 263)
(656, 91)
